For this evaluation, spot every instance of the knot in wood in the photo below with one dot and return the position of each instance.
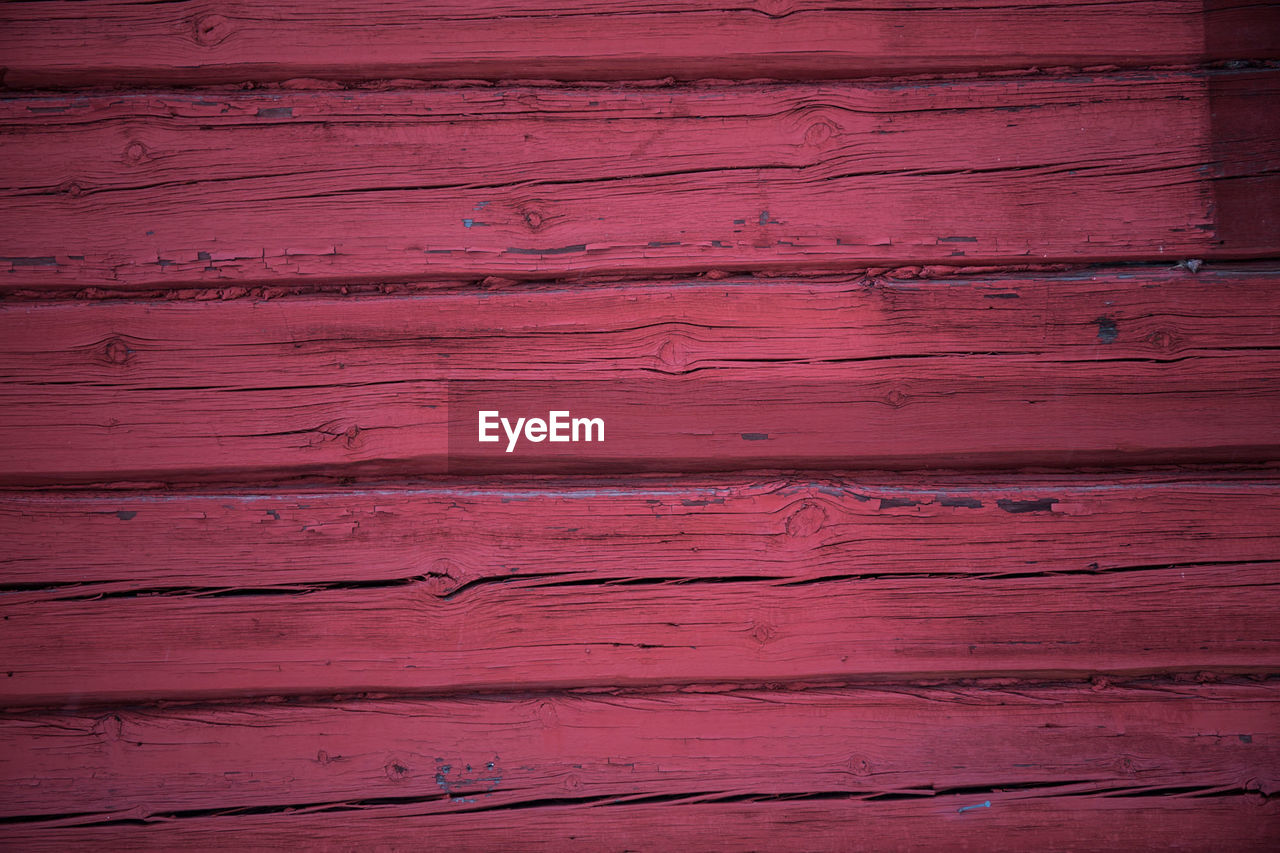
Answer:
(108, 728)
(859, 766)
(819, 133)
(116, 351)
(774, 8)
(1164, 340)
(896, 399)
(674, 354)
(396, 770)
(135, 152)
(210, 30)
(763, 632)
(443, 578)
(533, 219)
(805, 521)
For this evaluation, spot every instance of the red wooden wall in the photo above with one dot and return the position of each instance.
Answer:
(938, 345)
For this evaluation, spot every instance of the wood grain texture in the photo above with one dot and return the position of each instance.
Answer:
(881, 553)
(489, 587)
(62, 648)
(112, 43)
(459, 755)
(1076, 369)
(225, 189)
(1010, 823)
(785, 530)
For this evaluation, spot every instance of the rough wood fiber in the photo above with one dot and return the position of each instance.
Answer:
(996, 371)
(628, 531)
(112, 43)
(228, 188)
(1012, 822)
(456, 755)
(63, 648)
(643, 661)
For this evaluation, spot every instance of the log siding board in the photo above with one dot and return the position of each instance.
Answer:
(783, 530)
(413, 590)
(538, 634)
(173, 190)
(455, 755)
(115, 43)
(1066, 824)
(1000, 371)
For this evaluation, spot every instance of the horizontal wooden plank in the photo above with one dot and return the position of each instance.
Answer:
(1130, 365)
(155, 190)
(531, 633)
(1049, 824)
(456, 755)
(633, 530)
(106, 43)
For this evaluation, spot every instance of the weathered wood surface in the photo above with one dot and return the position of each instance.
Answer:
(488, 587)
(290, 657)
(112, 43)
(456, 755)
(63, 647)
(1077, 369)
(225, 189)
(1011, 823)
(634, 530)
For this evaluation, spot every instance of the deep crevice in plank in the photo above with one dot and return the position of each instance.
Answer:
(1171, 683)
(431, 582)
(1075, 789)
